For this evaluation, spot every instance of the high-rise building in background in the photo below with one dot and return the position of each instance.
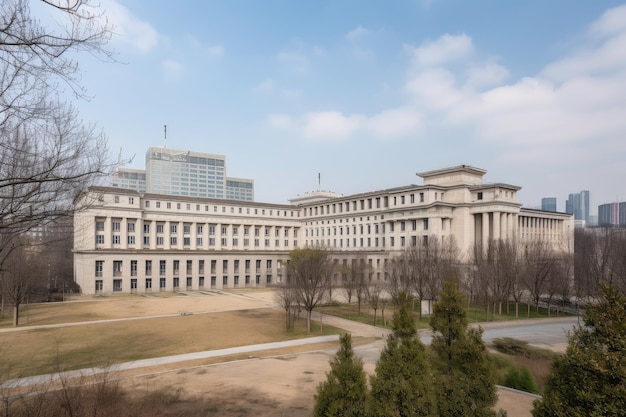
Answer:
(612, 214)
(131, 179)
(184, 173)
(548, 204)
(578, 205)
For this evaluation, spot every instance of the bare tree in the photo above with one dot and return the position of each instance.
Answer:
(375, 296)
(286, 297)
(600, 258)
(539, 259)
(495, 271)
(47, 155)
(399, 273)
(309, 270)
(19, 275)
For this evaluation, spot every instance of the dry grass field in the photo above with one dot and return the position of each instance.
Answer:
(272, 383)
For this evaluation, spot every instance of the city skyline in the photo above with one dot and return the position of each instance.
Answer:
(367, 96)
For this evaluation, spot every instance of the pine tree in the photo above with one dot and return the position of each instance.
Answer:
(464, 378)
(402, 385)
(590, 378)
(344, 393)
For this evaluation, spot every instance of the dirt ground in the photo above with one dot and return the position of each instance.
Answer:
(283, 384)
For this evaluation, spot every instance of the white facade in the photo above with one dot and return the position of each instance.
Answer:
(128, 242)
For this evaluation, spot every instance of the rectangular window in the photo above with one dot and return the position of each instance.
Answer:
(146, 228)
(117, 285)
(173, 241)
(162, 283)
(99, 268)
(159, 240)
(131, 227)
(131, 240)
(425, 224)
(173, 229)
(189, 282)
(480, 196)
(159, 228)
(189, 266)
(162, 267)
(213, 282)
(148, 283)
(421, 197)
(201, 266)
(201, 282)
(176, 282)
(148, 268)
(117, 268)
(116, 239)
(146, 240)
(99, 226)
(116, 226)
(99, 239)
(224, 281)
(176, 266)
(98, 285)
(133, 284)
(133, 268)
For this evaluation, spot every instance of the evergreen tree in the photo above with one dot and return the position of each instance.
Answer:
(344, 393)
(590, 378)
(464, 381)
(402, 384)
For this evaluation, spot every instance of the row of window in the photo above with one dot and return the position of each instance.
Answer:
(378, 228)
(367, 242)
(175, 264)
(118, 283)
(173, 241)
(116, 227)
(367, 204)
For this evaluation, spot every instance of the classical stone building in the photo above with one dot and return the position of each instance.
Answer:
(130, 242)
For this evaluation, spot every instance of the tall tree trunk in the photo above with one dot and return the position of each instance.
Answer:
(308, 321)
(16, 314)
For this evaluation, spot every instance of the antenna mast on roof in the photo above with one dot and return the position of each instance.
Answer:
(319, 181)
(165, 136)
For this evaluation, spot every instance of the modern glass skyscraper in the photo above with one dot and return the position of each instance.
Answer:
(548, 204)
(578, 205)
(184, 173)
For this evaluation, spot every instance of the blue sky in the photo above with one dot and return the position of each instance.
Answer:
(368, 93)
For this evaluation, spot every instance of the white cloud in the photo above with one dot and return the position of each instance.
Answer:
(129, 29)
(445, 49)
(434, 89)
(612, 22)
(488, 75)
(574, 108)
(331, 125)
(357, 33)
